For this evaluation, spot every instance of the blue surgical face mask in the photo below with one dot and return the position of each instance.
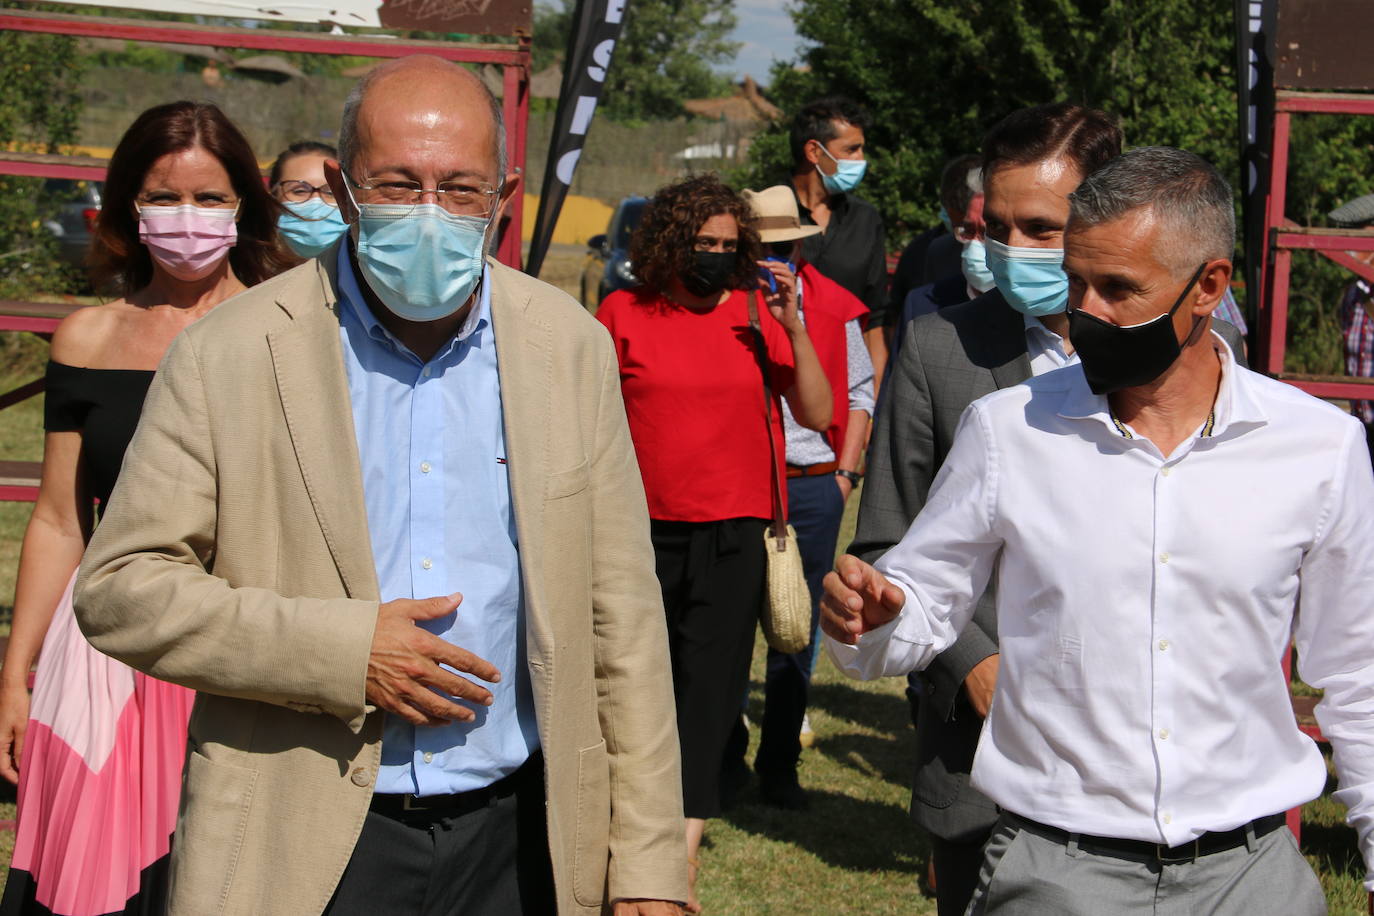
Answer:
(945, 220)
(848, 173)
(974, 266)
(1031, 279)
(422, 261)
(311, 227)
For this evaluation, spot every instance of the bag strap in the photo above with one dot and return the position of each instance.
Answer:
(761, 355)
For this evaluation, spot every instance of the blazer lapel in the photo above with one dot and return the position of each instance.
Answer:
(524, 355)
(1012, 366)
(307, 357)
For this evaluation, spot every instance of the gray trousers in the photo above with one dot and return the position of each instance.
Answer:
(1028, 873)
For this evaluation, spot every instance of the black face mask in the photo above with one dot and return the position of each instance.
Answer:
(1114, 357)
(710, 272)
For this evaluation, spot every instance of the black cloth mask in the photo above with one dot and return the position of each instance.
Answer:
(1116, 357)
(710, 272)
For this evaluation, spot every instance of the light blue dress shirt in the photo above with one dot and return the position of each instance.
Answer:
(432, 448)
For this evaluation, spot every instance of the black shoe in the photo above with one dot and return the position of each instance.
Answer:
(782, 790)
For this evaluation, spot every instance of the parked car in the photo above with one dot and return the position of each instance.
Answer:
(608, 267)
(74, 221)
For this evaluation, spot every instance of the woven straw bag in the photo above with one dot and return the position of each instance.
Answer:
(786, 611)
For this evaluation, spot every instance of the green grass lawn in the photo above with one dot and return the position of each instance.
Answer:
(854, 852)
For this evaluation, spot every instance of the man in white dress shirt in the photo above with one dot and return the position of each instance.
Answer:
(1162, 522)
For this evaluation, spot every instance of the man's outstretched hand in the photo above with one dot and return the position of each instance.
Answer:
(857, 599)
(404, 674)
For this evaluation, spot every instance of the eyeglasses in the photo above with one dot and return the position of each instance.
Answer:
(457, 197)
(298, 192)
(966, 232)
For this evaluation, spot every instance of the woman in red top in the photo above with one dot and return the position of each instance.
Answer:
(694, 395)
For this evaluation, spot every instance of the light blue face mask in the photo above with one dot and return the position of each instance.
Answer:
(311, 227)
(1032, 279)
(974, 266)
(945, 220)
(848, 173)
(422, 261)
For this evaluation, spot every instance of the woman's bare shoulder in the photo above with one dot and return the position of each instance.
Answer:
(84, 335)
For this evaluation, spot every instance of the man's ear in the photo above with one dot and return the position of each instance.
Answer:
(812, 151)
(508, 189)
(1212, 286)
(334, 177)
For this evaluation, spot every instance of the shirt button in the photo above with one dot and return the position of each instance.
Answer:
(359, 777)
(1168, 818)
(426, 563)
(424, 467)
(429, 756)
(1164, 558)
(1163, 645)
(1163, 734)
(426, 371)
(1165, 472)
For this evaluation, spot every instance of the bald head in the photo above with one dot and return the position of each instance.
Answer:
(422, 105)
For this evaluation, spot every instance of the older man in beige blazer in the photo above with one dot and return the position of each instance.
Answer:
(235, 558)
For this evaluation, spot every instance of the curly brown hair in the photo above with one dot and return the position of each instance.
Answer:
(662, 245)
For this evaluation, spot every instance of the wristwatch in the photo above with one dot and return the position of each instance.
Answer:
(852, 476)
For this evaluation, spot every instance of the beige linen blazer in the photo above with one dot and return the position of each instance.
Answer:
(234, 559)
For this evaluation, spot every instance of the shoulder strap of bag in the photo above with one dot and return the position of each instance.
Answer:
(761, 353)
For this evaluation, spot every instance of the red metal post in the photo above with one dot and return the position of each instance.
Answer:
(1273, 324)
(11, 166)
(18, 494)
(258, 39)
(1276, 328)
(22, 393)
(515, 102)
(1359, 267)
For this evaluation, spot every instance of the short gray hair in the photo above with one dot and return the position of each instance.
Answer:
(1191, 200)
(348, 127)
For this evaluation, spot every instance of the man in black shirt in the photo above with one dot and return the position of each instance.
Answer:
(827, 163)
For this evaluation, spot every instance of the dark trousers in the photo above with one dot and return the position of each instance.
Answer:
(491, 861)
(957, 866)
(814, 509)
(712, 576)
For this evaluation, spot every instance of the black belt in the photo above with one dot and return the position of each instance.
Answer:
(433, 807)
(1145, 851)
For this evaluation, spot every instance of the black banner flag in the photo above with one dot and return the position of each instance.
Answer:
(591, 41)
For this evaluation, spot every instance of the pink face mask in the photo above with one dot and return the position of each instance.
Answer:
(188, 241)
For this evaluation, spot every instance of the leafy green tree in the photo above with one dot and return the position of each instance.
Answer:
(936, 74)
(39, 107)
(664, 56)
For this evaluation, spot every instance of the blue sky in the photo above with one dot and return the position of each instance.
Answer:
(766, 34)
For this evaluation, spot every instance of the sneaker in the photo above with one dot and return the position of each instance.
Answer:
(807, 738)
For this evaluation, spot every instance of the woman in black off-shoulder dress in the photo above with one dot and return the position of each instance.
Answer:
(97, 751)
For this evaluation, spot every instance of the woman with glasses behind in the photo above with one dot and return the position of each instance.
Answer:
(97, 753)
(311, 221)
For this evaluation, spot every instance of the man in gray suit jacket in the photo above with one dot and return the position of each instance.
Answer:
(947, 360)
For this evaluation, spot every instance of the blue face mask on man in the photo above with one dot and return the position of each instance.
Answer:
(311, 226)
(422, 261)
(973, 265)
(1031, 279)
(848, 173)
